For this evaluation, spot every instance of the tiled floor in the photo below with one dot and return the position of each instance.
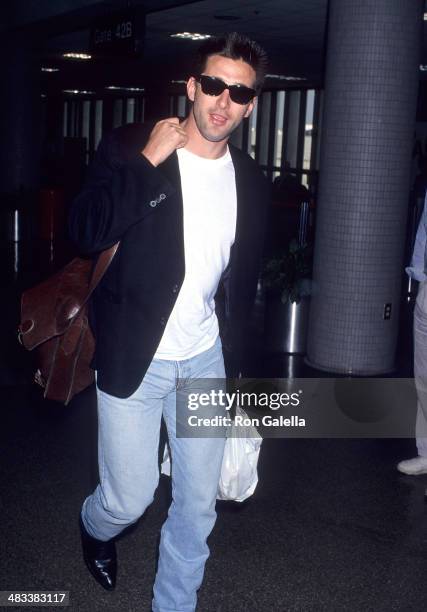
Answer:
(332, 525)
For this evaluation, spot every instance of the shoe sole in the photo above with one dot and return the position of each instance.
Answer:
(412, 473)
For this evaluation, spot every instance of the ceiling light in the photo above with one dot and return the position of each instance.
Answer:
(45, 69)
(282, 77)
(115, 87)
(425, 16)
(78, 91)
(80, 56)
(191, 35)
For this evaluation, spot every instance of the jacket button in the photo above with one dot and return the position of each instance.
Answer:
(162, 196)
(163, 321)
(175, 289)
(153, 203)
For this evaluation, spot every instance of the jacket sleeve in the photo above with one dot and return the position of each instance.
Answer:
(117, 194)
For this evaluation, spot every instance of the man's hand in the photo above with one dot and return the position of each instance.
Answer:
(167, 136)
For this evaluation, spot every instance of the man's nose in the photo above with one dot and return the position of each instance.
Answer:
(224, 99)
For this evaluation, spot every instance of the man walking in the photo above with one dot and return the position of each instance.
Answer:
(188, 210)
(417, 270)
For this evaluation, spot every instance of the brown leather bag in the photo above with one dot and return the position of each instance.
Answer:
(54, 321)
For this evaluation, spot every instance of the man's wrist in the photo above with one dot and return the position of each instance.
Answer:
(149, 157)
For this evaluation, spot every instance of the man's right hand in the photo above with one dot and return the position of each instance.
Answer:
(166, 136)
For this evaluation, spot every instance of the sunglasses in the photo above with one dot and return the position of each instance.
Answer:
(212, 86)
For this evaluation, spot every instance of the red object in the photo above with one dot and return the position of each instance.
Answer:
(51, 214)
(54, 321)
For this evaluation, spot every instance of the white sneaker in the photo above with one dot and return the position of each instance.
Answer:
(413, 467)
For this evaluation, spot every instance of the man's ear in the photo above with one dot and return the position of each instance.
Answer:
(250, 107)
(191, 88)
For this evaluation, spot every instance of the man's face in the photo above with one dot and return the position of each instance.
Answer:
(217, 116)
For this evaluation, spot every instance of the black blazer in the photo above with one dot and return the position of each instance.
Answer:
(128, 199)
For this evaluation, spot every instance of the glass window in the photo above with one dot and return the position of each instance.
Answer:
(85, 122)
(141, 109)
(98, 122)
(85, 126)
(308, 130)
(73, 114)
(117, 113)
(264, 124)
(252, 131)
(130, 110)
(65, 120)
(278, 130)
(318, 127)
(291, 149)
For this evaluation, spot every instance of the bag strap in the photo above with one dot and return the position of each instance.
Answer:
(102, 263)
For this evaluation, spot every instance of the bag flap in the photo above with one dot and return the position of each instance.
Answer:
(48, 309)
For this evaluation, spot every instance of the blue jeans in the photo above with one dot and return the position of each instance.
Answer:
(128, 440)
(420, 367)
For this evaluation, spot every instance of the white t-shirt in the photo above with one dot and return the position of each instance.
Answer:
(209, 197)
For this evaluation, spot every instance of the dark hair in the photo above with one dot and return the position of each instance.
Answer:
(234, 46)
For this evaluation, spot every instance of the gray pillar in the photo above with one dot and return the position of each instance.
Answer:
(370, 101)
(20, 116)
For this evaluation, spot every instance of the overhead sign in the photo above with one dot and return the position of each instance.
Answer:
(117, 35)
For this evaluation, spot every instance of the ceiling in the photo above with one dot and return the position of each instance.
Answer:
(292, 32)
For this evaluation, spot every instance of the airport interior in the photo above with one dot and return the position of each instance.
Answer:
(340, 132)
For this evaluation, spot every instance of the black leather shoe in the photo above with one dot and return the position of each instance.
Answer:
(100, 558)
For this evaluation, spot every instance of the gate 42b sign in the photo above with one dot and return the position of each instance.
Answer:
(117, 35)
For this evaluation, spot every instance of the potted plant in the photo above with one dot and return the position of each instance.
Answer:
(287, 286)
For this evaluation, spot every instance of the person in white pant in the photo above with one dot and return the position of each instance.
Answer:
(418, 271)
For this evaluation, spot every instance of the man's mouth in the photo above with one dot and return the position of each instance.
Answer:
(218, 119)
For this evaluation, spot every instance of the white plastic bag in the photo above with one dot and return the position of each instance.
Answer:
(239, 475)
(166, 462)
